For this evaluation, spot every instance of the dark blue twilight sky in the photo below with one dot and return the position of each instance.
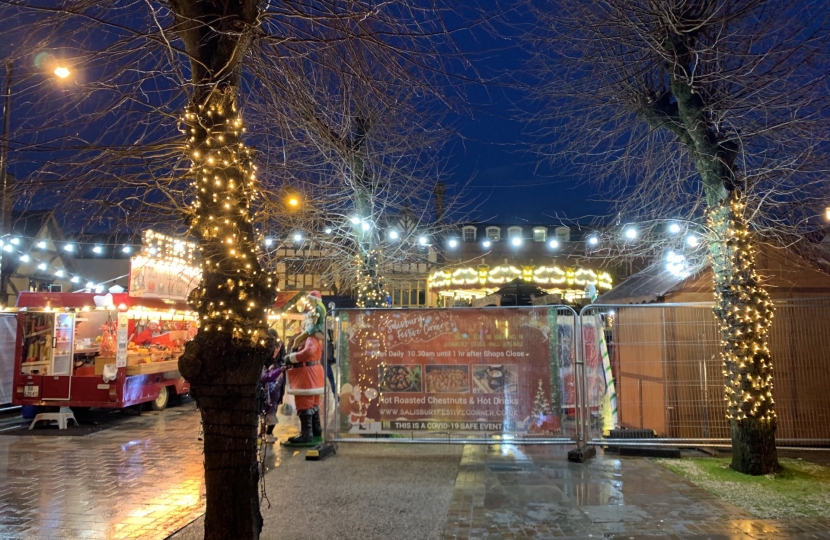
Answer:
(494, 151)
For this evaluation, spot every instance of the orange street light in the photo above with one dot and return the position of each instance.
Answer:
(62, 72)
(293, 201)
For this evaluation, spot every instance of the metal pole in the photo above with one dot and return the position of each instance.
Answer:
(4, 170)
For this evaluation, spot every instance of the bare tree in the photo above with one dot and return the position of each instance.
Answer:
(151, 133)
(710, 109)
(363, 152)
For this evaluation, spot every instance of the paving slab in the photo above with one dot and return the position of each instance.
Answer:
(142, 478)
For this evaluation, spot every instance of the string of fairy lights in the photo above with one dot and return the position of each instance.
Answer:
(745, 313)
(36, 258)
(224, 181)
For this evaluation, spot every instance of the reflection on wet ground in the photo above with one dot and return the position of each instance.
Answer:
(142, 479)
(534, 492)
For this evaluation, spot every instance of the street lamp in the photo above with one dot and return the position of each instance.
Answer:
(61, 72)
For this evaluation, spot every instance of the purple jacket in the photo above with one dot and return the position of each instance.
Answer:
(273, 381)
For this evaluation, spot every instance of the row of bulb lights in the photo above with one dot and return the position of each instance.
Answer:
(10, 245)
(630, 233)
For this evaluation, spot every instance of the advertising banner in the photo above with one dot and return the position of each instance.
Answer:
(473, 370)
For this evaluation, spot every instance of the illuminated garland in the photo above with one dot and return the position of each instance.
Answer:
(224, 180)
(744, 313)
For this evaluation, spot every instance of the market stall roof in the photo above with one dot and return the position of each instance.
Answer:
(648, 285)
(81, 300)
(286, 299)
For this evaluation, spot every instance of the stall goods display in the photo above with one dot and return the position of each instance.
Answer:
(150, 354)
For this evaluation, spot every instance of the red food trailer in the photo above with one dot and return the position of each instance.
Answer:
(88, 350)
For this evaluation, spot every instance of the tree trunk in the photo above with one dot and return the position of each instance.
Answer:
(224, 362)
(753, 446)
(229, 411)
(744, 313)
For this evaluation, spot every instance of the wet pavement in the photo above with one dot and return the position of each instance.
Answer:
(534, 492)
(143, 479)
(140, 479)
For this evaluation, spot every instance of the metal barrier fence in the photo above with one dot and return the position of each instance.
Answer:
(668, 377)
(547, 375)
(460, 375)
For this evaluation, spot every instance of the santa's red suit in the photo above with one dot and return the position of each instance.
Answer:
(306, 378)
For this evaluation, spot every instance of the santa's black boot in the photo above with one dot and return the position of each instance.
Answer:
(305, 435)
(316, 428)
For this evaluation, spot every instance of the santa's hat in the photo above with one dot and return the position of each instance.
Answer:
(316, 294)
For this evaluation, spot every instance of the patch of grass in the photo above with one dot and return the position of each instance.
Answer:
(801, 489)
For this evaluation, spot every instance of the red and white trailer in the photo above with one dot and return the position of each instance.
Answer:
(80, 350)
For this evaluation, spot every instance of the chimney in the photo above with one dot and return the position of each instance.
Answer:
(440, 189)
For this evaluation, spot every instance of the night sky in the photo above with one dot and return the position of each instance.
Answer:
(494, 151)
(491, 151)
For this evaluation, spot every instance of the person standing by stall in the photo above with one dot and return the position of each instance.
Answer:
(273, 383)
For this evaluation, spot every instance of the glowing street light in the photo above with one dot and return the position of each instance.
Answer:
(422, 240)
(365, 225)
(593, 240)
(393, 234)
(298, 237)
(553, 244)
(486, 244)
(674, 228)
(62, 72)
(355, 220)
(631, 233)
(453, 243)
(516, 241)
(97, 249)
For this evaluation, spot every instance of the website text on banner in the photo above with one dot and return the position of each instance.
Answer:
(475, 370)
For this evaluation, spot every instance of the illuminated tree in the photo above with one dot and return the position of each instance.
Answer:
(696, 101)
(151, 134)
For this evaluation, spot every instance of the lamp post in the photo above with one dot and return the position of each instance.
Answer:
(4, 170)
(61, 72)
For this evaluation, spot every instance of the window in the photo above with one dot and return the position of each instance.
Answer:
(469, 234)
(514, 232)
(409, 294)
(494, 234)
(563, 234)
(540, 234)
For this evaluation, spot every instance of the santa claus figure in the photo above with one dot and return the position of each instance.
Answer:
(306, 380)
(354, 402)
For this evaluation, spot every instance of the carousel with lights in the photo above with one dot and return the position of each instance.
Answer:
(517, 285)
